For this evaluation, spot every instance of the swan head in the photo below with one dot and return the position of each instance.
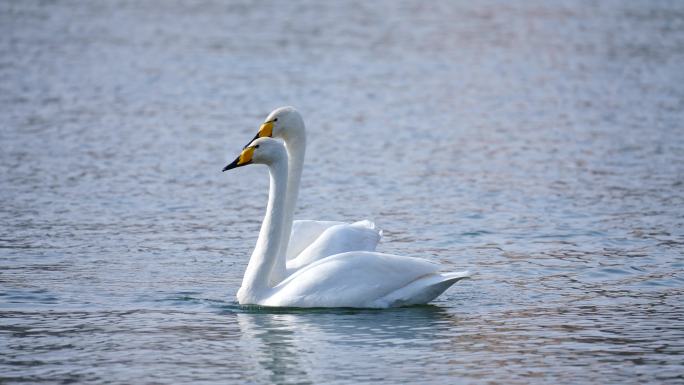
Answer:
(260, 151)
(283, 122)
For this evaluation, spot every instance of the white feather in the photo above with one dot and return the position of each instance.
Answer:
(332, 267)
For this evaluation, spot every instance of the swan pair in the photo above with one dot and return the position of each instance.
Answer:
(321, 263)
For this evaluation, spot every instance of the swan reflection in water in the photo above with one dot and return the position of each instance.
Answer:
(298, 346)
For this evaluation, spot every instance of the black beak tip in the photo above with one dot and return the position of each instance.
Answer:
(231, 166)
(250, 142)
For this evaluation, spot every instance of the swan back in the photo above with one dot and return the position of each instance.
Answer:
(337, 239)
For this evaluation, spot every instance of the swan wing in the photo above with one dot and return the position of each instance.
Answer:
(315, 235)
(352, 279)
(358, 236)
(304, 232)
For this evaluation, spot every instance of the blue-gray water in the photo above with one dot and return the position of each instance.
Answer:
(540, 145)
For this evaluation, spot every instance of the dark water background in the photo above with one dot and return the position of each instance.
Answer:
(538, 144)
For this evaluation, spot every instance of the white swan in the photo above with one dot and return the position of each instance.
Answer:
(351, 279)
(305, 241)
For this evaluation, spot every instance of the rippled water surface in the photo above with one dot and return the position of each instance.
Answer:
(539, 145)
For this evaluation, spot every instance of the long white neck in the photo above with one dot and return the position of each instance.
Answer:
(295, 143)
(266, 252)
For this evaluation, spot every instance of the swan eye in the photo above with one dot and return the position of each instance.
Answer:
(275, 120)
(257, 146)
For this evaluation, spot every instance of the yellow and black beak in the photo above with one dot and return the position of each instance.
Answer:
(266, 130)
(244, 159)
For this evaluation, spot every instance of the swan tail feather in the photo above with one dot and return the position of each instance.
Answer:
(370, 225)
(422, 290)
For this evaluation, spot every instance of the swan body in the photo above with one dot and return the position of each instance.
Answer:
(362, 279)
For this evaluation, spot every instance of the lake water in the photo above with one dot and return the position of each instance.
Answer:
(539, 145)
